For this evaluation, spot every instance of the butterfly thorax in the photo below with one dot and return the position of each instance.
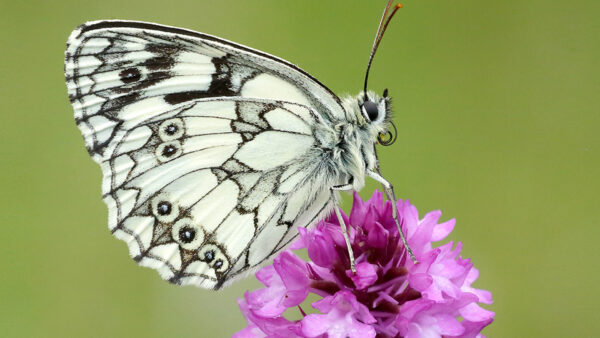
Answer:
(355, 139)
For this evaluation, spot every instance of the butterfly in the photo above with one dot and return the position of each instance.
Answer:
(214, 153)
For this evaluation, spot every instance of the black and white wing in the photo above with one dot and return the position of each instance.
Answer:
(213, 187)
(209, 149)
(116, 66)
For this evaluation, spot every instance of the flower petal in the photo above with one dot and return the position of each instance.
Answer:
(475, 313)
(293, 273)
(442, 230)
(420, 281)
(271, 327)
(448, 325)
(377, 236)
(359, 210)
(339, 318)
(320, 246)
(365, 276)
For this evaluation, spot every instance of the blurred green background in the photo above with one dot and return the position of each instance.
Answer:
(497, 106)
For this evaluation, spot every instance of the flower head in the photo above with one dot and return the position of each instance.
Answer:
(387, 296)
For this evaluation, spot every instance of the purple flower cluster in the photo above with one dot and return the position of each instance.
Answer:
(388, 296)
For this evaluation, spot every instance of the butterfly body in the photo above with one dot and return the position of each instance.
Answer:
(212, 153)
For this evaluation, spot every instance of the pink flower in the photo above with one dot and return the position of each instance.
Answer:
(387, 296)
(287, 286)
(344, 317)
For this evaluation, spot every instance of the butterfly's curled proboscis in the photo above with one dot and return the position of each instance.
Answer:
(214, 153)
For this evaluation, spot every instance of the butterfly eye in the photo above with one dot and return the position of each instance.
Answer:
(371, 109)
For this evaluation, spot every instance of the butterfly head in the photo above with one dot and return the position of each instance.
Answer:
(376, 110)
(374, 114)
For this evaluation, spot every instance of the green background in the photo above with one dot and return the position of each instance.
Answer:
(497, 106)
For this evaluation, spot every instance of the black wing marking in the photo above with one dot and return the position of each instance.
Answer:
(210, 189)
(116, 68)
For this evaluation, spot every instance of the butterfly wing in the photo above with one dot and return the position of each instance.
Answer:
(205, 173)
(116, 66)
(213, 187)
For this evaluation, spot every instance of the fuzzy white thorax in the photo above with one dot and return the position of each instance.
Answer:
(354, 138)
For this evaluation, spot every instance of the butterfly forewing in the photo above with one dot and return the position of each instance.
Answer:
(116, 68)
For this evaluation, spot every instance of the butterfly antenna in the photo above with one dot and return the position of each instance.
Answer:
(383, 23)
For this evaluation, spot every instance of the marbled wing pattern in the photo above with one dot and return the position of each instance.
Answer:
(211, 152)
(213, 187)
(116, 67)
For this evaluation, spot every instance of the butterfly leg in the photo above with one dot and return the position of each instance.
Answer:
(391, 196)
(341, 220)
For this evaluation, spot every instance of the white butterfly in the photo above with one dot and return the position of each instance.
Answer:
(212, 152)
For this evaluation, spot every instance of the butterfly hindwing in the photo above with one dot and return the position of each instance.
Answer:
(211, 188)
